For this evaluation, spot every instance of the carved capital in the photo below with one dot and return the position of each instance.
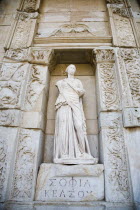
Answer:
(103, 55)
(40, 56)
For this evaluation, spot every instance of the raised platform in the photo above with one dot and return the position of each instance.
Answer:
(58, 182)
(75, 161)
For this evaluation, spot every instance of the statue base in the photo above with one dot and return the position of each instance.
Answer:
(76, 161)
(58, 183)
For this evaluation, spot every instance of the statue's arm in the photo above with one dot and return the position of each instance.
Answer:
(80, 88)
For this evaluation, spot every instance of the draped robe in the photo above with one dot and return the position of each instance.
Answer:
(70, 139)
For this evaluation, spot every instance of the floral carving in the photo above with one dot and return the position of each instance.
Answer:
(24, 167)
(109, 89)
(117, 163)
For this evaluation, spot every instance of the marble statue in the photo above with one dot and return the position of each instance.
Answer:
(70, 140)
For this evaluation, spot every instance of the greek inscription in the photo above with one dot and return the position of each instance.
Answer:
(71, 195)
(80, 194)
(73, 182)
(62, 194)
(52, 182)
(62, 182)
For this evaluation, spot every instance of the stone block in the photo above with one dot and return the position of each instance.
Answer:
(28, 158)
(132, 136)
(131, 117)
(57, 182)
(33, 120)
(7, 147)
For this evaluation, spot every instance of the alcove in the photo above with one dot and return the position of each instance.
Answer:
(86, 73)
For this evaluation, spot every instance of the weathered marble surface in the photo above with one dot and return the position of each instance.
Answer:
(70, 183)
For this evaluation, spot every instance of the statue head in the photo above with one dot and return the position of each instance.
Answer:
(71, 69)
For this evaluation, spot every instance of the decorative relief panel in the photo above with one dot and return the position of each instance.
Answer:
(109, 94)
(121, 27)
(26, 165)
(36, 85)
(115, 159)
(130, 73)
(131, 117)
(24, 30)
(17, 54)
(9, 117)
(12, 76)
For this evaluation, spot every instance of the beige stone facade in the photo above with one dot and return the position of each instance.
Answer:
(38, 40)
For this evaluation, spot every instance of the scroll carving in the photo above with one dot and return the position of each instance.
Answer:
(117, 163)
(108, 85)
(130, 66)
(24, 167)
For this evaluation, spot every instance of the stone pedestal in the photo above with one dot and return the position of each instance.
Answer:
(58, 182)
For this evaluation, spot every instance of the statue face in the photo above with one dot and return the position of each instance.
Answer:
(71, 69)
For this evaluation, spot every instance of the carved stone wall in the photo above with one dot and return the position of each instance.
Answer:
(32, 31)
